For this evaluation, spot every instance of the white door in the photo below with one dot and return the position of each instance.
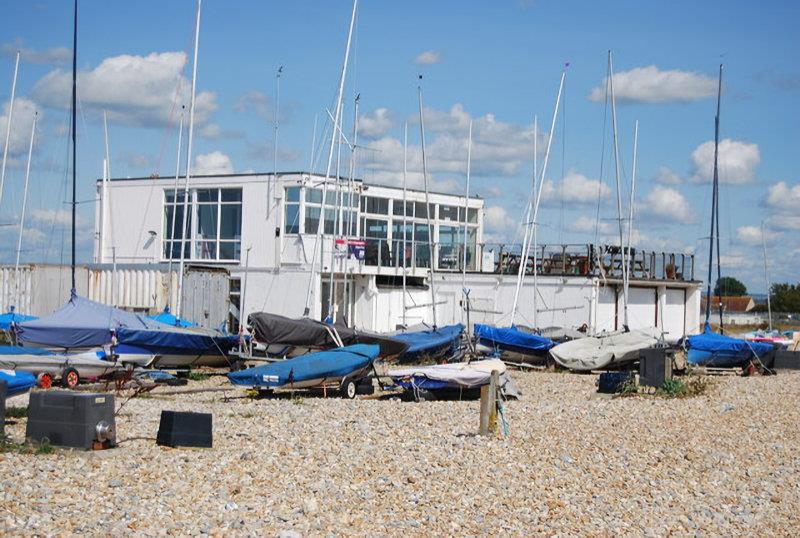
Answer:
(674, 315)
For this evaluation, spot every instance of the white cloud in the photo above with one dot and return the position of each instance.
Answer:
(214, 163)
(135, 90)
(55, 55)
(750, 235)
(428, 57)
(737, 161)
(667, 204)
(650, 85)
(586, 225)
(782, 196)
(257, 102)
(21, 123)
(60, 217)
(375, 124)
(666, 176)
(575, 188)
(497, 220)
(784, 222)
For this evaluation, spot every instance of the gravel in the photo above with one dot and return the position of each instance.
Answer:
(723, 463)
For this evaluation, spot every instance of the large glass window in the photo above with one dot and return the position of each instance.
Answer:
(213, 225)
(376, 206)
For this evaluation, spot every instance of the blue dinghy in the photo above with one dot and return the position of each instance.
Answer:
(171, 319)
(17, 382)
(12, 317)
(712, 349)
(430, 344)
(511, 339)
(312, 370)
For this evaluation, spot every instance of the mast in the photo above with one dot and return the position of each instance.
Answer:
(104, 193)
(273, 185)
(349, 212)
(535, 227)
(336, 120)
(714, 208)
(405, 212)
(619, 199)
(427, 205)
(633, 191)
(175, 208)
(466, 211)
(74, 137)
(766, 274)
(8, 126)
(188, 165)
(24, 205)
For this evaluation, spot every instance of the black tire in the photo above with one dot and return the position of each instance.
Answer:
(349, 389)
(70, 378)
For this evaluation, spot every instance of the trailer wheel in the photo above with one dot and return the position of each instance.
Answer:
(70, 378)
(44, 380)
(348, 389)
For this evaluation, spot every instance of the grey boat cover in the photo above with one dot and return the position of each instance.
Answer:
(274, 329)
(605, 349)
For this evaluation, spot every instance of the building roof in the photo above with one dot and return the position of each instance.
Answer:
(295, 173)
(742, 303)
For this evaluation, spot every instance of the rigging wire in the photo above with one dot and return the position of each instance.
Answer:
(601, 180)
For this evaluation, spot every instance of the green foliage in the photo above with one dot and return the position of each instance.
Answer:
(197, 376)
(727, 286)
(785, 297)
(9, 446)
(44, 448)
(678, 388)
(16, 412)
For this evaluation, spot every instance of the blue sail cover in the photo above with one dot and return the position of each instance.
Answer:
(17, 382)
(177, 340)
(430, 342)
(712, 349)
(512, 339)
(324, 365)
(13, 317)
(168, 318)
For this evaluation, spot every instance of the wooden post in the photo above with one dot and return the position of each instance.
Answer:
(488, 420)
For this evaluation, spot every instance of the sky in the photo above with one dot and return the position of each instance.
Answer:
(496, 64)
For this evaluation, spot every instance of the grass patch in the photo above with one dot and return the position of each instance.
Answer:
(197, 376)
(8, 446)
(680, 388)
(16, 412)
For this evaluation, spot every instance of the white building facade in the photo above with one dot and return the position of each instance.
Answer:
(266, 231)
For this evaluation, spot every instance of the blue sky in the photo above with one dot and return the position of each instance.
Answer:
(496, 63)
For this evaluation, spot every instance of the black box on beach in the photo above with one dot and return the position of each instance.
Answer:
(655, 366)
(787, 360)
(72, 419)
(184, 429)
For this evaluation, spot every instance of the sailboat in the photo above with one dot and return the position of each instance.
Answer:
(710, 348)
(616, 347)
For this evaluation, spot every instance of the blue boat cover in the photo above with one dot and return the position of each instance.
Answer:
(424, 341)
(512, 338)
(13, 317)
(714, 343)
(331, 364)
(169, 318)
(17, 382)
(177, 340)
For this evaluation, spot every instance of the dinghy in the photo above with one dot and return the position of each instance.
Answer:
(71, 368)
(430, 344)
(464, 375)
(11, 318)
(512, 342)
(343, 366)
(605, 349)
(718, 350)
(168, 318)
(17, 382)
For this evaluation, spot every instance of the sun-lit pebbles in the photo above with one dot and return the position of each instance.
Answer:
(725, 463)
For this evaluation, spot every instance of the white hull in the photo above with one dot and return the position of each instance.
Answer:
(86, 364)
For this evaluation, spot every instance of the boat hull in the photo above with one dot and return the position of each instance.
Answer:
(55, 364)
(604, 350)
(719, 359)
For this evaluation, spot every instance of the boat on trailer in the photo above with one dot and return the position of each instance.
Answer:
(430, 344)
(46, 365)
(721, 351)
(512, 343)
(604, 350)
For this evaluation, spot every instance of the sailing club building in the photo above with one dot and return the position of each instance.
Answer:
(370, 257)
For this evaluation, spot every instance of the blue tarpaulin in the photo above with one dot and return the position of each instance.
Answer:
(178, 341)
(13, 317)
(168, 318)
(328, 365)
(710, 349)
(512, 339)
(431, 341)
(17, 382)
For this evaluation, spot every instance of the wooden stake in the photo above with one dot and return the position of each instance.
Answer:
(488, 420)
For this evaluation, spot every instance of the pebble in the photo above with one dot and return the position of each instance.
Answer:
(311, 466)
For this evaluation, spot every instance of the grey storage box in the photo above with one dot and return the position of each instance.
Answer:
(3, 392)
(655, 366)
(72, 419)
(787, 360)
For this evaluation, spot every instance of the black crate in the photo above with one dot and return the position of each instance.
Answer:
(655, 366)
(184, 429)
(71, 419)
(787, 360)
(612, 382)
(3, 392)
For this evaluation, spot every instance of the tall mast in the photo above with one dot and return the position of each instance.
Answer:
(334, 133)
(619, 198)
(719, 202)
(273, 185)
(535, 228)
(714, 203)
(349, 211)
(466, 211)
(188, 239)
(175, 208)
(74, 137)
(104, 193)
(8, 127)
(766, 273)
(633, 191)
(405, 212)
(24, 205)
(427, 205)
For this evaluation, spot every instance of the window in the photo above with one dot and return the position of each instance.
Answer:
(449, 212)
(213, 224)
(421, 213)
(291, 211)
(376, 206)
(397, 208)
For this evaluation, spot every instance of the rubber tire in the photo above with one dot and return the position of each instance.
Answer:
(70, 378)
(44, 380)
(348, 389)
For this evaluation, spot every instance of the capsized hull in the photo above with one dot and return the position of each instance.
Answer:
(605, 349)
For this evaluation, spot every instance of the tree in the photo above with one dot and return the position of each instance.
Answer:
(727, 286)
(785, 297)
